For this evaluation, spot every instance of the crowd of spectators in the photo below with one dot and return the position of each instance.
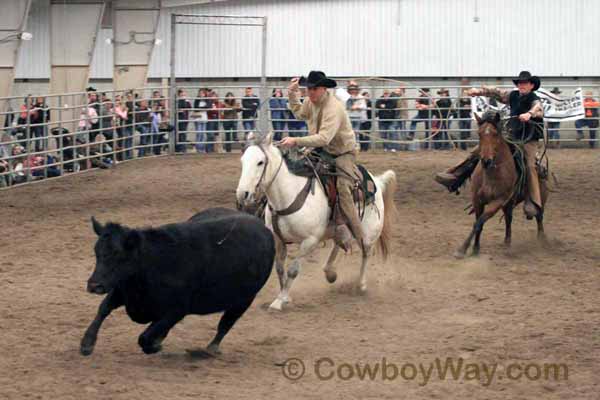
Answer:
(111, 130)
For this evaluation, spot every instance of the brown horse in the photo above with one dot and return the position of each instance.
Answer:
(494, 184)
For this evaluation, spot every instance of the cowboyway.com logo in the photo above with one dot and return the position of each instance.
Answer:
(457, 369)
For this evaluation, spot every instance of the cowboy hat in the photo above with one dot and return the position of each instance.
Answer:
(317, 79)
(556, 90)
(526, 76)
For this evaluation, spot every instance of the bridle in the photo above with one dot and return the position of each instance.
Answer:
(264, 172)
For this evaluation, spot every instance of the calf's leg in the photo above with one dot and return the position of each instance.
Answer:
(151, 339)
(112, 300)
(227, 321)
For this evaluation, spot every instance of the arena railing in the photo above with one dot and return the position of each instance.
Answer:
(54, 135)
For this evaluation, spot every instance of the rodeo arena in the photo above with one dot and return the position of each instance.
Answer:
(310, 199)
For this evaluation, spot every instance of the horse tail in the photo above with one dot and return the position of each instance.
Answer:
(388, 188)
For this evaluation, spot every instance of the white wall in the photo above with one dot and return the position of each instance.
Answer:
(404, 38)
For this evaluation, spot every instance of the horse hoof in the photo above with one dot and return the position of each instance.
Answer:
(362, 288)
(458, 254)
(277, 305)
(86, 350)
(331, 276)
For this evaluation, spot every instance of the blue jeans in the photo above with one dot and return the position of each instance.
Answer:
(200, 136)
(386, 133)
(230, 128)
(249, 126)
(212, 129)
(592, 124)
(553, 132)
(413, 126)
(441, 136)
(465, 132)
(127, 142)
(297, 129)
(180, 146)
(278, 129)
(398, 133)
(355, 127)
(144, 140)
(157, 140)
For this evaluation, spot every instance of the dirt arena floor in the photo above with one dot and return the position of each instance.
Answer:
(528, 306)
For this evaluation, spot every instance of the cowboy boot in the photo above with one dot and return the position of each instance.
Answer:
(342, 235)
(455, 177)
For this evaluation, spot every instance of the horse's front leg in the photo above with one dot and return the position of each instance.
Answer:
(280, 256)
(488, 212)
(508, 216)
(363, 269)
(306, 247)
(540, 226)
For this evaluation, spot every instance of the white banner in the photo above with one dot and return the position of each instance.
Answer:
(556, 109)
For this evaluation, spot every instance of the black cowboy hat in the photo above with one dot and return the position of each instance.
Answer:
(316, 79)
(526, 76)
(90, 89)
(556, 91)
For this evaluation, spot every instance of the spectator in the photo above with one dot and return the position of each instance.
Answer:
(94, 103)
(463, 106)
(200, 119)
(401, 116)
(250, 105)
(422, 104)
(5, 152)
(27, 114)
(278, 106)
(183, 113)
(357, 108)
(212, 127)
(231, 108)
(86, 118)
(386, 113)
(156, 118)
(161, 128)
(106, 123)
(17, 164)
(553, 127)
(296, 127)
(591, 118)
(121, 114)
(142, 125)
(99, 150)
(156, 99)
(442, 112)
(365, 126)
(39, 120)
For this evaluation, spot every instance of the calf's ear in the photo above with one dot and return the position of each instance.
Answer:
(98, 228)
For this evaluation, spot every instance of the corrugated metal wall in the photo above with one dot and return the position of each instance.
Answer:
(410, 38)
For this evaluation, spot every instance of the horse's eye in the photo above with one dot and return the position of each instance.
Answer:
(260, 163)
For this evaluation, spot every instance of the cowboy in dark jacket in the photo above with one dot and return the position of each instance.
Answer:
(527, 114)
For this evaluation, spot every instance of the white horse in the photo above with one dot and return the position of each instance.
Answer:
(265, 171)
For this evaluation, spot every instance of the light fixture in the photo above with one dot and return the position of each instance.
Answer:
(17, 36)
(108, 41)
(157, 41)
